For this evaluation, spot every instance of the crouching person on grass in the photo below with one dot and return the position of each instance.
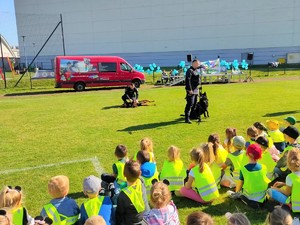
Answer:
(132, 201)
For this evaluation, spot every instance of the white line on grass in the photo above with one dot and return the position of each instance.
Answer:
(94, 161)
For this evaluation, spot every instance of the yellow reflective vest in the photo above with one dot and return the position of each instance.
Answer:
(266, 159)
(175, 173)
(59, 219)
(237, 161)
(120, 167)
(18, 215)
(255, 184)
(295, 196)
(205, 183)
(93, 206)
(148, 182)
(135, 194)
(276, 135)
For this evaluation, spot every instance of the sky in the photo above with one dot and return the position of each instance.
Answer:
(8, 27)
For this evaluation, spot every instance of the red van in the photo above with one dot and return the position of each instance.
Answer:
(79, 72)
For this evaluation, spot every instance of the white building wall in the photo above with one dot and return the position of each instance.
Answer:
(143, 27)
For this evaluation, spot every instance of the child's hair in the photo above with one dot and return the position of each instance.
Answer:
(279, 216)
(208, 153)
(215, 140)
(173, 153)
(11, 197)
(132, 170)
(260, 126)
(160, 195)
(230, 133)
(237, 219)
(252, 132)
(95, 220)
(262, 141)
(58, 186)
(143, 156)
(4, 218)
(293, 159)
(121, 151)
(194, 154)
(199, 218)
(146, 144)
(200, 160)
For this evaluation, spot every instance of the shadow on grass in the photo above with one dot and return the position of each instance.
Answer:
(281, 113)
(57, 91)
(76, 195)
(152, 125)
(111, 107)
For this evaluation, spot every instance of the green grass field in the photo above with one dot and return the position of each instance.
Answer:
(52, 132)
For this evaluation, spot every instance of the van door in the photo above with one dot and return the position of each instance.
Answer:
(108, 74)
(125, 73)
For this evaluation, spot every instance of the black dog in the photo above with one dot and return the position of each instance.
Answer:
(200, 108)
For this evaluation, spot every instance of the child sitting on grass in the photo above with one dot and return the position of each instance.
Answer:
(233, 163)
(164, 210)
(173, 170)
(266, 158)
(253, 195)
(280, 191)
(202, 179)
(12, 198)
(132, 201)
(95, 205)
(148, 170)
(290, 135)
(117, 178)
(61, 209)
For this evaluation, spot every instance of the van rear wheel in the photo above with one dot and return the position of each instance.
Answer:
(137, 83)
(79, 86)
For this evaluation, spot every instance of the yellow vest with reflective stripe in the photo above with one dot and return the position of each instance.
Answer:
(255, 184)
(276, 135)
(237, 161)
(266, 159)
(205, 183)
(135, 194)
(120, 167)
(295, 196)
(175, 173)
(18, 215)
(148, 182)
(59, 219)
(216, 171)
(93, 206)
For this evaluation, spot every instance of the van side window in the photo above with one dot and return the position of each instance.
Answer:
(107, 67)
(125, 67)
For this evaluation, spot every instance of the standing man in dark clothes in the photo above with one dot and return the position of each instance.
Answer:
(131, 95)
(191, 87)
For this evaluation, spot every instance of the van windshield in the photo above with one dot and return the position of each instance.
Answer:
(125, 67)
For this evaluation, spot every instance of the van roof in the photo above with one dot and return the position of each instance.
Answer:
(88, 56)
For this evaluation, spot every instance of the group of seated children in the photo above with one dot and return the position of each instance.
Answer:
(122, 197)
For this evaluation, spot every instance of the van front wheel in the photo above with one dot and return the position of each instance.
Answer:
(137, 83)
(79, 86)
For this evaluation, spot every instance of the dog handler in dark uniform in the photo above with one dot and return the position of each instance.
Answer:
(191, 87)
(131, 95)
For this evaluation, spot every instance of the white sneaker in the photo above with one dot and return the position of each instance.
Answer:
(296, 221)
